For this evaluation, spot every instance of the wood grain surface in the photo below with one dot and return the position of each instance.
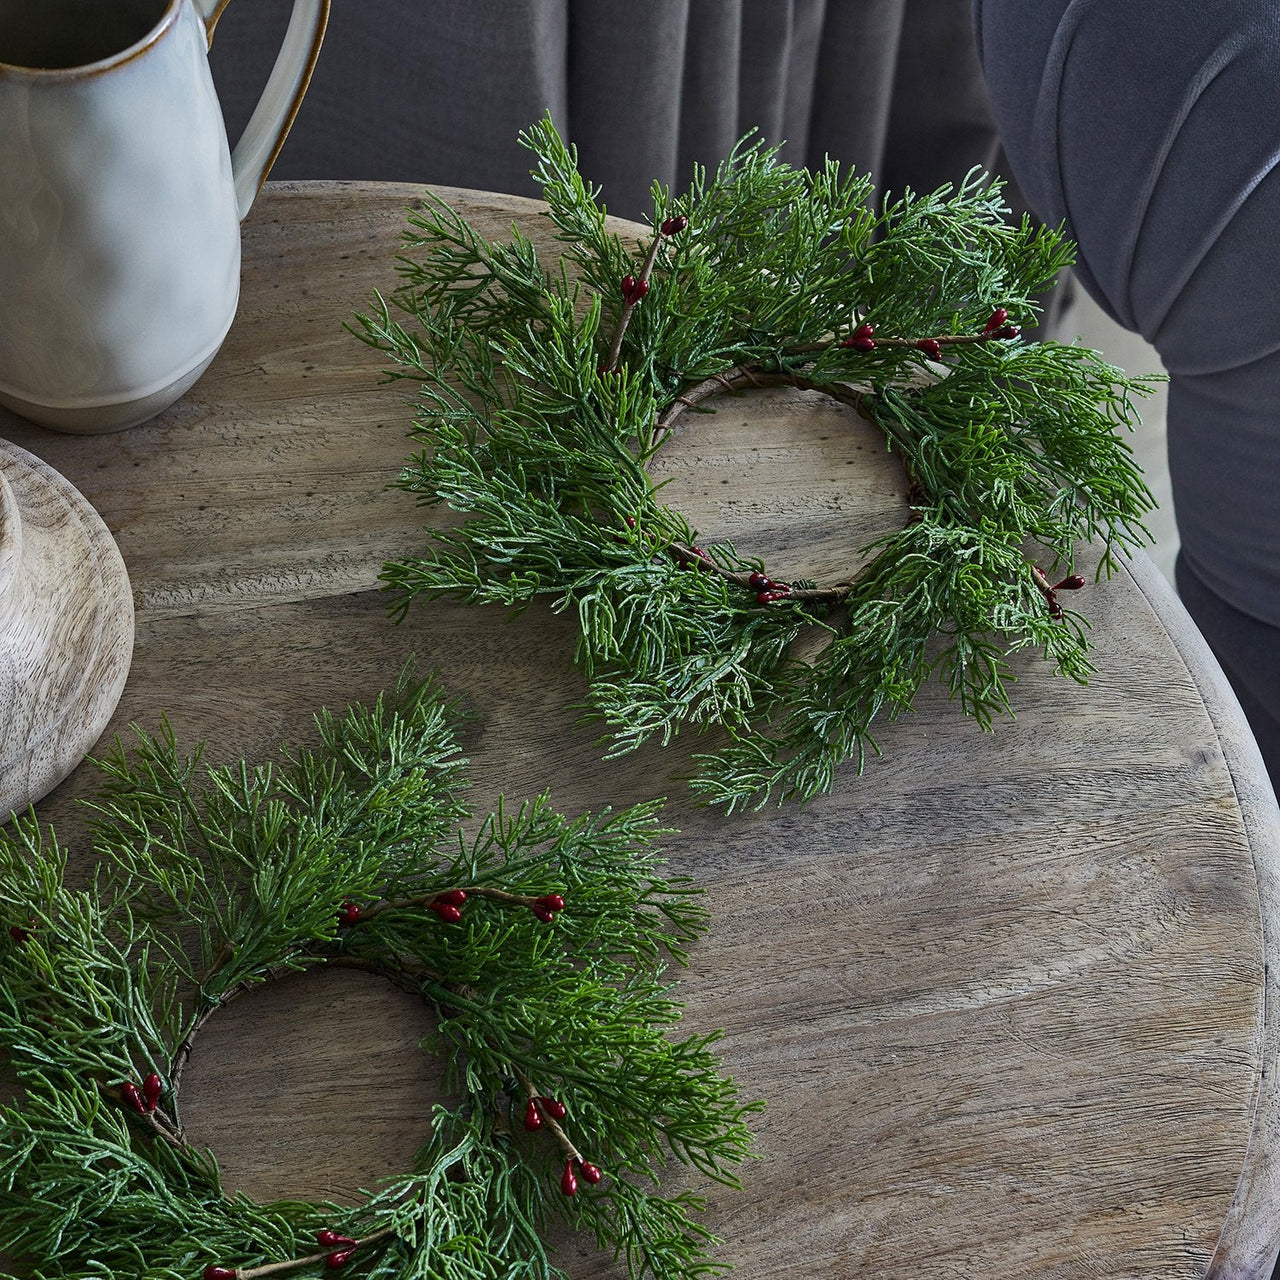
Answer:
(1010, 997)
(66, 628)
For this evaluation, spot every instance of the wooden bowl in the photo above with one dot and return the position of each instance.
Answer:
(66, 628)
(10, 539)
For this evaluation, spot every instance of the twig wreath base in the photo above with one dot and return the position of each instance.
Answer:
(544, 395)
(540, 942)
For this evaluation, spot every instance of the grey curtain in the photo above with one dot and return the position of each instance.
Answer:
(435, 91)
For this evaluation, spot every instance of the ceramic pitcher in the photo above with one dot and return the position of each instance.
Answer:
(120, 201)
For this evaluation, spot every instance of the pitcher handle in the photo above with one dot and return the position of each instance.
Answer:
(273, 117)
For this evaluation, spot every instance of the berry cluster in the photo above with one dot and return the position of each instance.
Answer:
(551, 1111)
(860, 339)
(767, 591)
(574, 1166)
(535, 1109)
(633, 290)
(145, 1100)
(996, 326)
(546, 907)
(1071, 583)
(341, 1250)
(341, 1255)
(448, 905)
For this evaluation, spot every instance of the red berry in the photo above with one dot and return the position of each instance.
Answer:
(553, 1107)
(339, 1258)
(673, 226)
(328, 1237)
(589, 1172)
(18, 933)
(633, 290)
(759, 582)
(1073, 583)
(215, 1272)
(568, 1182)
(446, 911)
(152, 1087)
(995, 320)
(931, 347)
(1007, 332)
(543, 914)
(348, 913)
(133, 1097)
(552, 902)
(454, 898)
(860, 338)
(532, 1117)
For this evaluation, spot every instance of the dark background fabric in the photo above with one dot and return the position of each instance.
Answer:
(437, 92)
(1150, 128)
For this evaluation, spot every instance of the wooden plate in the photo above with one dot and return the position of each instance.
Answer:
(66, 628)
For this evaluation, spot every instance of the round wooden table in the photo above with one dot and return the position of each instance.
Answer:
(1010, 997)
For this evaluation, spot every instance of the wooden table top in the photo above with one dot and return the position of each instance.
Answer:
(1010, 997)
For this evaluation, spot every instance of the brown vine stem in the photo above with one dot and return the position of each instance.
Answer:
(744, 376)
(311, 1260)
(997, 333)
(225, 953)
(425, 899)
(566, 1145)
(736, 379)
(615, 348)
(182, 1053)
(817, 595)
(401, 976)
(741, 378)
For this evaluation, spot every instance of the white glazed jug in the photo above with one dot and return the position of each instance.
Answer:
(120, 202)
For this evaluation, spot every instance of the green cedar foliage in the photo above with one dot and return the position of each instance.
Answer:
(214, 880)
(1007, 446)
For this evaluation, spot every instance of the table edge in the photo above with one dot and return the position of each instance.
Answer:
(1249, 1244)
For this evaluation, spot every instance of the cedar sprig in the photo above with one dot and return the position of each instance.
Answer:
(544, 393)
(216, 878)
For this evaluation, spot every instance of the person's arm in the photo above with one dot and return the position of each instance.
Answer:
(1151, 129)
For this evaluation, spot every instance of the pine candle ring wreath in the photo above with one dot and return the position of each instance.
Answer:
(544, 395)
(540, 941)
